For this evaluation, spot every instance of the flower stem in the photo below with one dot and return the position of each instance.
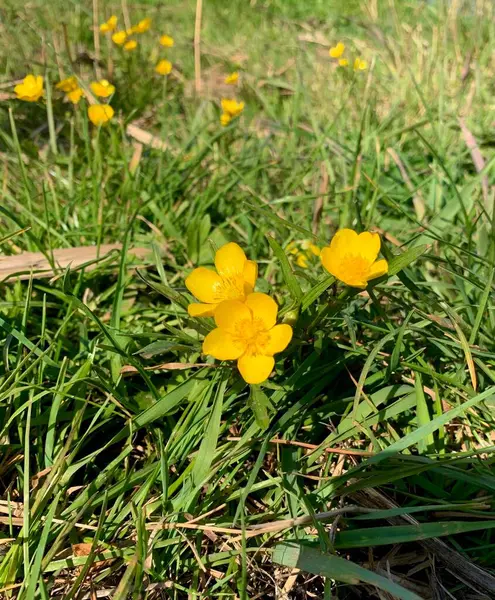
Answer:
(49, 116)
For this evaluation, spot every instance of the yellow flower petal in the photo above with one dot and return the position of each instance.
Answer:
(102, 88)
(143, 25)
(119, 37)
(130, 45)
(314, 249)
(337, 51)
(344, 241)
(167, 41)
(230, 260)
(343, 62)
(263, 308)
(368, 245)
(67, 85)
(31, 89)
(360, 64)
(302, 261)
(201, 310)
(164, 67)
(232, 107)
(99, 114)
(204, 283)
(280, 336)
(232, 78)
(255, 368)
(225, 119)
(222, 345)
(233, 315)
(250, 275)
(75, 95)
(379, 268)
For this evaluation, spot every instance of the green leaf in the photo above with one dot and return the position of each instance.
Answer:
(315, 292)
(415, 436)
(206, 452)
(288, 274)
(259, 403)
(401, 534)
(311, 560)
(397, 263)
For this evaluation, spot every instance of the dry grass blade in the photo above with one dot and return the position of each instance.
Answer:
(478, 161)
(29, 265)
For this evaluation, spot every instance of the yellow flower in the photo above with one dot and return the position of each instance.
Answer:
(234, 280)
(31, 89)
(232, 107)
(130, 45)
(337, 51)
(343, 62)
(247, 332)
(164, 67)
(360, 64)
(71, 88)
(225, 119)
(75, 95)
(99, 114)
(352, 257)
(313, 248)
(119, 37)
(109, 25)
(67, 85)
(102, 88)
(302, 260)
(167, 41)
(232, 79)
(142, 26)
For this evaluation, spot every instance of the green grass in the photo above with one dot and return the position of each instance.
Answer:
(366, 461)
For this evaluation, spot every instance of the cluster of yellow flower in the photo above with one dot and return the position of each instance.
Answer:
(230, 107)
(123, 37)
(337, 52)
(246, 329)
(303, 251)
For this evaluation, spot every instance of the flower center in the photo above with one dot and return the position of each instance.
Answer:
(253, 335)
(231, 288)
(355, 267)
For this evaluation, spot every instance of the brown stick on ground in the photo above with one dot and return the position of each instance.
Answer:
(35, 264)
(456, 564)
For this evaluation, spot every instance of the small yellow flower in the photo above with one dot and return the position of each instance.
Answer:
(232, 107)
(67, 85)
(167, 41)
(130, 45)
(302, 260)
(234, 280)
(337, 51)
(31, 89)
(360, 64)
(232, 79)
(247, 332)
(119, 37)
(225, 119)
(343, 62)
(99, 114)
(164, 67)
(109, 25)
(102, 88)
(71, 88)
(352, 257)
(142, 26)
(313, 248)
(75, 95)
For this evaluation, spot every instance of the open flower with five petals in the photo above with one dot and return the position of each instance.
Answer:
(247, 332)
(234, 279)
(352, 257)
